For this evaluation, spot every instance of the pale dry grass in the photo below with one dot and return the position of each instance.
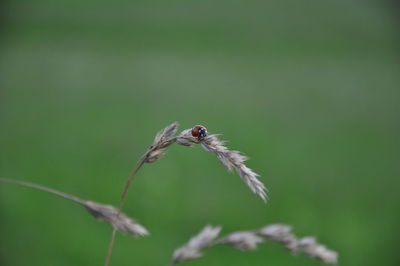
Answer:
(248, 240)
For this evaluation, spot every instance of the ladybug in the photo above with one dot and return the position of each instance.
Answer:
(199, 132)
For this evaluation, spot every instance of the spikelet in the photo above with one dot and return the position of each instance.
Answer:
(161, 141)
(192, 249)
(119, 221)
(246, 240)
(312, 248)
(280, 233)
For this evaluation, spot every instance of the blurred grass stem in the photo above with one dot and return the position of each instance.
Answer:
(43, 188)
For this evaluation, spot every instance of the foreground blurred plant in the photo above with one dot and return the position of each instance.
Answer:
(230, 159)
(248, 240)
(108, 213)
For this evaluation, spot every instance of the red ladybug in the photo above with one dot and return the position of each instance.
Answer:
(199, 132)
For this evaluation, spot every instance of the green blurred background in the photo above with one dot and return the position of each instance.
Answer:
(309, 90)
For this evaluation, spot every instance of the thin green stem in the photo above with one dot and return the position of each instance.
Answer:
(110, 246)
(132, 176)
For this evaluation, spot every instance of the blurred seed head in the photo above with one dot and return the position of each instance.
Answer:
(246, 240)
(280, 233)
(311, 247)
(193, 248)
(119, 221)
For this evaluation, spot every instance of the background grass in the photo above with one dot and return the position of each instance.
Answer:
(308, 89)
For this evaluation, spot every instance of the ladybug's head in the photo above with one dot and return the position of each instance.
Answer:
(199, 132)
